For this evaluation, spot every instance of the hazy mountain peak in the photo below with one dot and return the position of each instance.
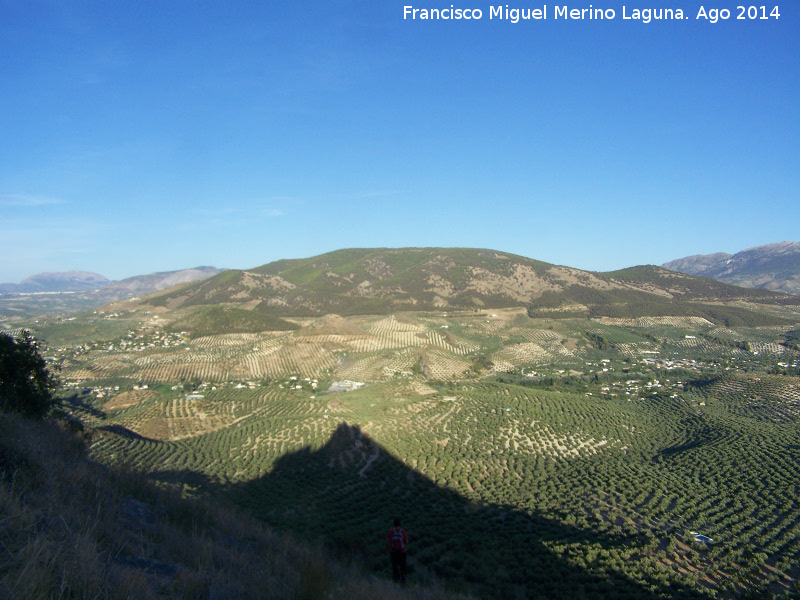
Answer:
(65, 281)
(770, 266)
(697, 263)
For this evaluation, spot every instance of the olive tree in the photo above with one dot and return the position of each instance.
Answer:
(26, 385)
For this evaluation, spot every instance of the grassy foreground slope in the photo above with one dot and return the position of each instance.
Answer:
(71, 528)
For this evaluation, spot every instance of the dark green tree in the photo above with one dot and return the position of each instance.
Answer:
(26, 385)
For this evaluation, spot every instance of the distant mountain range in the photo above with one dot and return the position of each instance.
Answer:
(75, 291)
(68, 281)
(771, 267)
(84, 281)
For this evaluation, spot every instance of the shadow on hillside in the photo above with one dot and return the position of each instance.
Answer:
(184, 477)
(347, 492)
(122, 431)
(701, 438)
(79, 403)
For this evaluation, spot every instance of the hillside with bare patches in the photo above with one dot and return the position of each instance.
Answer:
(385, 281)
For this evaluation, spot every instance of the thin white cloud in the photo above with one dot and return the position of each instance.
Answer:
(243, 214)
(226, 219)
(28, 200)
(218, 212)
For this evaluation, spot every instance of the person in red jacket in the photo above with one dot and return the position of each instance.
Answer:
(397, 542)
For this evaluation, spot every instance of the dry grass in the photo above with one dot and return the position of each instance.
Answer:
(70, 528)
(130, 398)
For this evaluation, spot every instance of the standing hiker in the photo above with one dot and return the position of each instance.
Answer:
(397, 541)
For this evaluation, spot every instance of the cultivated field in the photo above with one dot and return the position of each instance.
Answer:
(597, 488)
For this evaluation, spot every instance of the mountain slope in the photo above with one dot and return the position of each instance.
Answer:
(215, 320)
(653, 291)
(382, 281)
(363, 281)
(697, 264)
(141, 285)
(771, 266)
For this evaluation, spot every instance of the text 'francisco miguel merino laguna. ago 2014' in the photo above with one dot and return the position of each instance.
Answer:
(514, 15)
(564, 12)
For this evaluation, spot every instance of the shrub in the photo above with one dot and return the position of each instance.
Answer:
(25, 383)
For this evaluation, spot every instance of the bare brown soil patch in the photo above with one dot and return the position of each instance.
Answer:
(330, 325)
(571, 344)
(440, 286)
(524, 284)
(378, 268)
(338, 405)
(130, 398)
(421, 389)
(156, 428)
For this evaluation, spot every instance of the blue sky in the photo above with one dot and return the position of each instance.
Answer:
(151, 136)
